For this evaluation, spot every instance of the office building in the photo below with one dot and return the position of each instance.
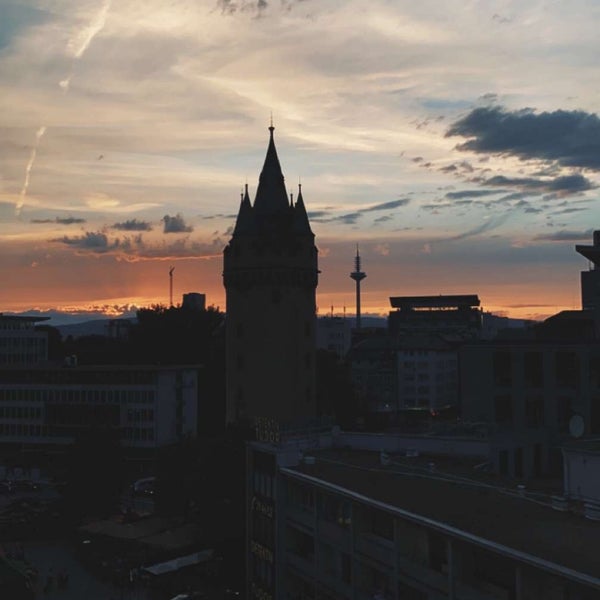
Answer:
(20, 342)
(149, 406)
(331, 521)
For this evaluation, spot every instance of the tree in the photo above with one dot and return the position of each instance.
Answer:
(94, 473)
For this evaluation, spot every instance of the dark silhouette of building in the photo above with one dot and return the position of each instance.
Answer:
(458, 315)
(270, 276)
(590, 280)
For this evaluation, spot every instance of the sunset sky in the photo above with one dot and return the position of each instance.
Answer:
(457, 142)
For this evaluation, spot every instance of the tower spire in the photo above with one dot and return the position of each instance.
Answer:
(358, 276)
(271, 195)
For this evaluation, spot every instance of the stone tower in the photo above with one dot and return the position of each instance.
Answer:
(270, 275)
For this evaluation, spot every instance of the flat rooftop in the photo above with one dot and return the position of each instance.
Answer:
(476, 509)
(435, 302)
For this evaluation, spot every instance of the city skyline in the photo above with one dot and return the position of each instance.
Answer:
(457, 144)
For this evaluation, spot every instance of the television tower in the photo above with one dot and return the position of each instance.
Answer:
(358, 276)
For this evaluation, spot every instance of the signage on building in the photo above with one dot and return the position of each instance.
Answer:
(266, 430)
(262, 507)
(260, 551)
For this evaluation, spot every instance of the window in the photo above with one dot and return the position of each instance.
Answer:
(533, 369)
(534, 411)
(503, 409)
(502, 365)
(567, 369)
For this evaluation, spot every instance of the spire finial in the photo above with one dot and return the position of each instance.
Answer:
(271, 128)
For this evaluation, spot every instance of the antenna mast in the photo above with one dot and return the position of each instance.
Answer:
(171, 270)
(358, 276)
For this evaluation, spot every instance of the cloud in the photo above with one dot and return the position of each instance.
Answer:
(382, 249)
(60, 221)
(387, 205)
(571, 138)
(90, 240)
(563, 185)
(38, 138)
(487, 225)
(565, 235)
(470, 194)
(133, 225)
(135, 248)
(348, 219)
(230, 7)
(175, 224)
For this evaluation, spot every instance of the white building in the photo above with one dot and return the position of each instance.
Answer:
(334, 334)
(20, 342)
(151, 406)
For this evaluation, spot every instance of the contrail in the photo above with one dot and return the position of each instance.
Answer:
(84, 39)
(38, 136)
(79, 47)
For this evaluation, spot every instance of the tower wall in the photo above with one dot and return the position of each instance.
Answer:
(270, 276)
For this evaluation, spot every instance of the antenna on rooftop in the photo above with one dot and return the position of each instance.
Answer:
(171, 270)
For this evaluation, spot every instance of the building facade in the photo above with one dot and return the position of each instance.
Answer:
(148, 406)
(327, 521)
(270, 275)
(20, 342)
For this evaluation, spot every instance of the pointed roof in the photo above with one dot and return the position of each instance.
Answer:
(245, 219)
(301, 224)
(271, 196)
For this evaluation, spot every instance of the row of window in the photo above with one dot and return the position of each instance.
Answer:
(20, 412)
(25, 342)
(137, 434)
(27, 430)
(135, 416)
(78, 396)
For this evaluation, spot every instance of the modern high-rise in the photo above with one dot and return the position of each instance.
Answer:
(270, 275)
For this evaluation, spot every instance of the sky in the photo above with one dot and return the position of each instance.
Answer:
(457, 142)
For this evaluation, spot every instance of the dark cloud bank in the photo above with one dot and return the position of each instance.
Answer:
(571, 138)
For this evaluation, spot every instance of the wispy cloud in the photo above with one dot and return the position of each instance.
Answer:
(565, 235)
(60, 221)
(38, 137)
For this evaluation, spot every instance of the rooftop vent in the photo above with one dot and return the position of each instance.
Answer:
(309, 460)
